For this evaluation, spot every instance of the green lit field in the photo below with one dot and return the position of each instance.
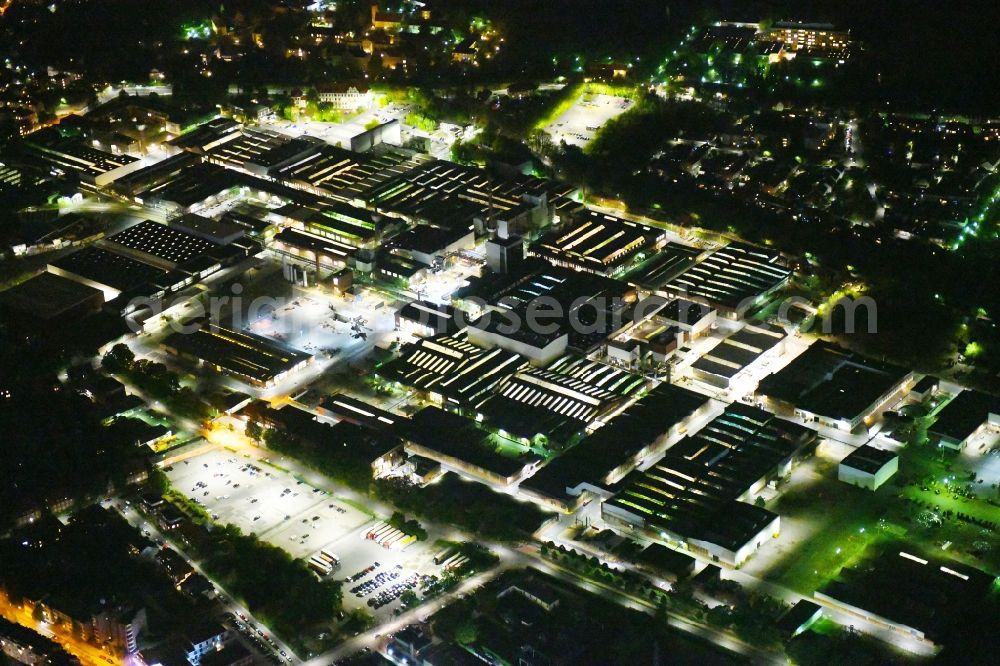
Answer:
(941, 479)
(845, 521)
(567, 98)
(842, 524)
(939, 497)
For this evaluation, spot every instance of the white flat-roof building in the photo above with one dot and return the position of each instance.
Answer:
(868, 467)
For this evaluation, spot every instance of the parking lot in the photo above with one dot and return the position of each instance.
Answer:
(580, 123)
(340, 134)
(303, 520)
(982, 457)
(322, 325)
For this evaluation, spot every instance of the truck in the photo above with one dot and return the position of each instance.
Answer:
(444, 555)
(329, 557)
(320, 566)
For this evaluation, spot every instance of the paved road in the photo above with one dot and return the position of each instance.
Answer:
(89, 655)
(371, 638)
(510, 559)
(229, 602)
(529, 556)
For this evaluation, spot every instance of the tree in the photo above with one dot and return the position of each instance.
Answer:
(660, 613)
(375, 65)
(254, 431)
(155, 378)
(158, 481)
(279, 440)
(118, 359)
(360, 618)
(186, 402)
(467, 632)
(719, 616)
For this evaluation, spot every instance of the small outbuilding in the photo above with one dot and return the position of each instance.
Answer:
(868, 467)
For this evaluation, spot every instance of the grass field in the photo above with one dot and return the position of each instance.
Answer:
(839, 525)
(942, 479)
(568, 97)
(847, 521)
(976, 508)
